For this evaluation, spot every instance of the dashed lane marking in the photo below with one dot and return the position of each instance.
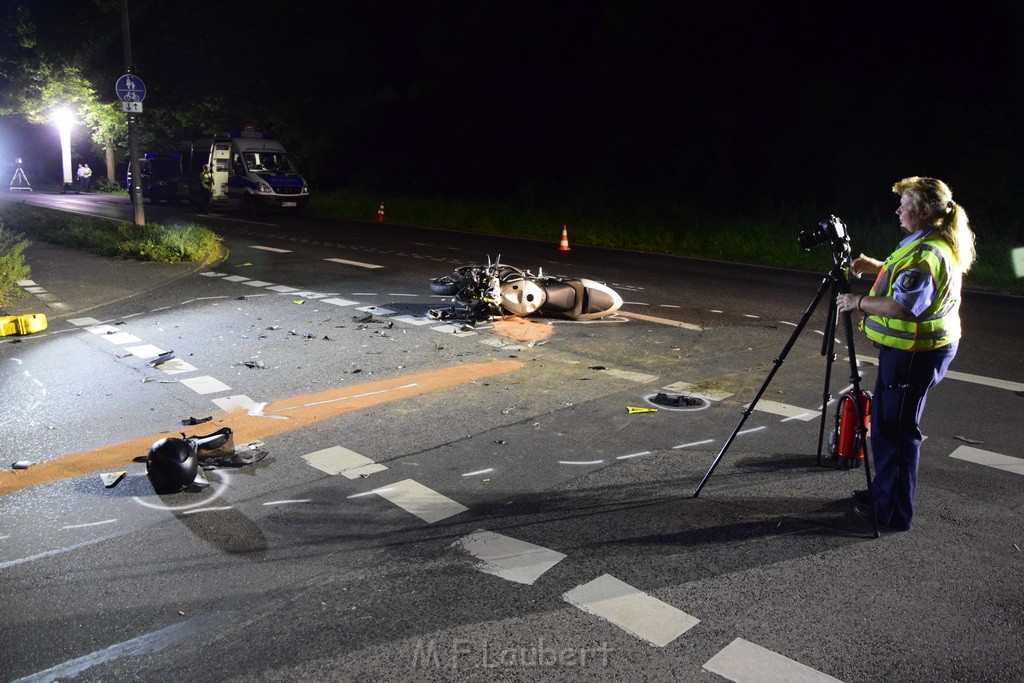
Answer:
(205, 385)
(989, 459)
(299, 411)
(967, 377)
(744, 662)
(632, 610)
(507, 557)
(359, 264)
(273, 249)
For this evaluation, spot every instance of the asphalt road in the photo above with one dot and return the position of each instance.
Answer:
(443, 504)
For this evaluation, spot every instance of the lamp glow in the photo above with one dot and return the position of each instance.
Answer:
(64, 120)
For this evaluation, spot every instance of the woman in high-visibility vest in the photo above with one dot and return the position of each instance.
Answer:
(912, 314)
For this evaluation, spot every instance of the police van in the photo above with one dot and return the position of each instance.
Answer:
(251, 172)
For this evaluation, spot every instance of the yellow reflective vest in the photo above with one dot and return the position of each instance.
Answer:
(939, 324)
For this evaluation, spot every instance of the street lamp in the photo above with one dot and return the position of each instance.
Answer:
(64, 120)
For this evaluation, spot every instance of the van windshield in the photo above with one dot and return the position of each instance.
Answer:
(268, 161)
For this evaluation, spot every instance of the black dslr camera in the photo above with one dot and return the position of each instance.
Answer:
(829, 230)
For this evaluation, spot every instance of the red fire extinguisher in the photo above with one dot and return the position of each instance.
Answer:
(847, 442)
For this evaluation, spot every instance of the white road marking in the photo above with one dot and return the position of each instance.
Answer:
(205, 384)
(257, 283)
(294, 501)
(340, 460)
(144, 351)
(353, 263)
(632, 610)
(966, 377)
(638, 377)
(509, 558)
(237, 402)
(82, 526)
(632, 455)
(706, 394)
(661, 321)
(412, 320)
(417, 499)
(751, 431)
(785, 410)
(82, 322)
(176, 366)
(989, 459)
(694, 443)
(274, 249)
(217, 509)
(742, 661)
(236, 278)
(378, 310)
(580, 462)
(339, 302)
(284, 289)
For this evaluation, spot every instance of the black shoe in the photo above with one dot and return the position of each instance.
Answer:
(862, 496)
(863, 511)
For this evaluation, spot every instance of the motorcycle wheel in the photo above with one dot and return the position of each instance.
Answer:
(445, 285)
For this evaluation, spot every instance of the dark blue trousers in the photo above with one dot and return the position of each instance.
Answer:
(904, 378)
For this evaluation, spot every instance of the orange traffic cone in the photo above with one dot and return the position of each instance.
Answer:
(380, 213)
(564, 244)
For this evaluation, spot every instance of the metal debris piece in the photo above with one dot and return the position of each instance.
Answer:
(21, 464)
(966, 440)
(162, 358)
(196, 421)
(257, 364)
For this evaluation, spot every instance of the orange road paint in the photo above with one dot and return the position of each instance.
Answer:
(297, 411)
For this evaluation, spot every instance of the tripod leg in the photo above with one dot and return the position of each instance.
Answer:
(822, 289)
(828, 349)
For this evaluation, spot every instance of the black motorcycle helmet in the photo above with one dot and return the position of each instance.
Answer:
(171, 465)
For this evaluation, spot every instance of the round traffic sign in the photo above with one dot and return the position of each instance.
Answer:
(130, 88)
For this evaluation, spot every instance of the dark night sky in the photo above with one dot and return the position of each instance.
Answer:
(730, 103)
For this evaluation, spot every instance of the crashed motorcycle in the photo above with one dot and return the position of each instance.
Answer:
(482, 293)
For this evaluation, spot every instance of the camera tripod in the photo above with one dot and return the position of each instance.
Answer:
(835, 282)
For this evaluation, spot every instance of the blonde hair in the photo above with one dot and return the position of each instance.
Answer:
(933, 200)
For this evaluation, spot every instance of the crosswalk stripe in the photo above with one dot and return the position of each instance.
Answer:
(744, 662)
(340, 460)
(632, 610)
(507, 557)
(997, 460)
(417, 499)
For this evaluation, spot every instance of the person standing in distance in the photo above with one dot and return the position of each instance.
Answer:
(912, 314)
(206, 178)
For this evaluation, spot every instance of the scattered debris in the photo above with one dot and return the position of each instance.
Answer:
(640, 409)
(499, 441)
(274, 327)
(196, 421)
(111, 479)
(299, 302)
(676, 401)
(597, 367)
(256, 364)
(162, 358)
(966, 440)
(21, 464)
(508, 410)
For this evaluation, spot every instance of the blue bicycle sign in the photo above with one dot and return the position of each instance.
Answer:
(130, 88)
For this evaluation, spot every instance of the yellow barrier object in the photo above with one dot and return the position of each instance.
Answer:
(22, 324)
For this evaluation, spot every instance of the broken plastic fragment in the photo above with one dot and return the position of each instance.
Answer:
(299, 302)
(639, 409)
(110, 479)
(196, 421)
(258, 364)
(21, 464)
